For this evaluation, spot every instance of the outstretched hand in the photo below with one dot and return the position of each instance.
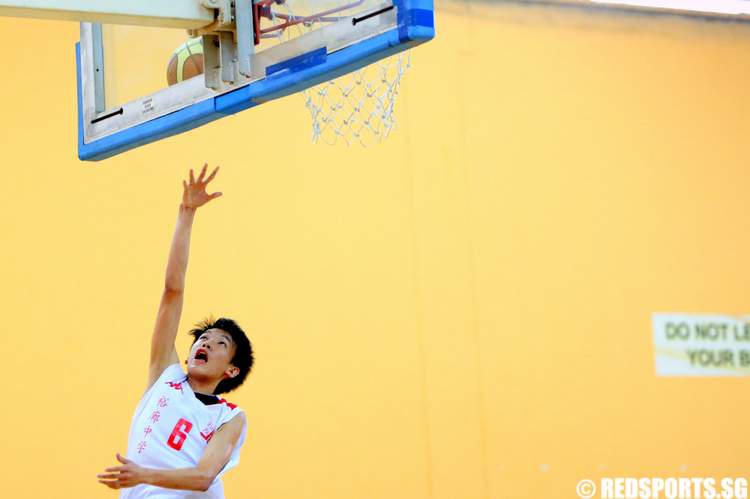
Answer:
(194, 194)
(128, 475)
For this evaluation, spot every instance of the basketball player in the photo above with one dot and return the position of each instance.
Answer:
(184, 437)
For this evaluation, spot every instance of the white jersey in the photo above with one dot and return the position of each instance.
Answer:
(171, 429)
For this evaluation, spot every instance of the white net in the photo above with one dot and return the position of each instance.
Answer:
(357, 108)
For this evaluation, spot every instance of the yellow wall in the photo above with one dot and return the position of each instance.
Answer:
(461, 312)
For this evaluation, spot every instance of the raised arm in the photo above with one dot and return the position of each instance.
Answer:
(163, 352)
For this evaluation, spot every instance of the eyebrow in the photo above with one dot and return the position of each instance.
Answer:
(223, 335)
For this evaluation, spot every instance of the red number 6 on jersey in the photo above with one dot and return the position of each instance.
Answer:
(179, 434)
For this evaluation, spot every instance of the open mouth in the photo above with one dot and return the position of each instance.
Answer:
(201, 356)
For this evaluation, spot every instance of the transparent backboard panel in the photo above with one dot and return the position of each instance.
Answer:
(291, 18)
(136, 60)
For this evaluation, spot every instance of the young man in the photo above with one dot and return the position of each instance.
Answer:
(184, 437)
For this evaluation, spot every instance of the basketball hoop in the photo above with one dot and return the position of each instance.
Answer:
(356, 108)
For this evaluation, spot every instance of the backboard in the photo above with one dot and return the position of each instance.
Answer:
(262, 50)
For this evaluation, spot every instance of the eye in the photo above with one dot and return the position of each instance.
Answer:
(223, 343)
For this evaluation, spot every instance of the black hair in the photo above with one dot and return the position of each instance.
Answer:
(243, 353)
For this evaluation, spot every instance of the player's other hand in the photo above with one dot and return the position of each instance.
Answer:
(194, 193)
(127, 475)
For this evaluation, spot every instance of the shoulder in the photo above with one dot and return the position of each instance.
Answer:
(172, 375)
(231, 415)
(233, 426)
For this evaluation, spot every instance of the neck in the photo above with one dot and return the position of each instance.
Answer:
(199, 386)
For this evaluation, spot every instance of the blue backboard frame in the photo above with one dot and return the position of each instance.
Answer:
(415, 25)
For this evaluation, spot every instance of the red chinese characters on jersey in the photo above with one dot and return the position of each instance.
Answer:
(141, 446)
(155, 416)
(163, 402)
(146, 431)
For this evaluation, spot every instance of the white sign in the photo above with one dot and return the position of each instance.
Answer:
(701, 345)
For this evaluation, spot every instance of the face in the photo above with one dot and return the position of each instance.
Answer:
(211, 355)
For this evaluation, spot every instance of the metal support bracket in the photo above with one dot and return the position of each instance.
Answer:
(229, 73)
(245, 35)
(228, 43)
(212, 62)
